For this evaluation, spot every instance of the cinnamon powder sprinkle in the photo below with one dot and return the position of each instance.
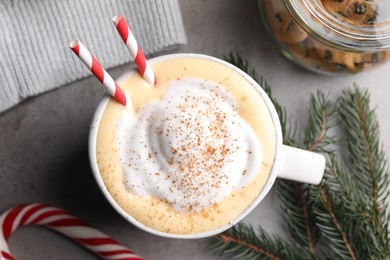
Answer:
(201, 149)
(211, 151)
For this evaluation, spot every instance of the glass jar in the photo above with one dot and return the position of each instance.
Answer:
(330, 36)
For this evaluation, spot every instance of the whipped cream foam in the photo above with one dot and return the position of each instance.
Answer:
(190, 149)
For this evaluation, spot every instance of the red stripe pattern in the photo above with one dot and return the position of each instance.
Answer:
(97, 69)
(101, 74)
(30, 212)
(5, 255)
(135, 51)
(140, 60)
(120, 95)
(60, 221)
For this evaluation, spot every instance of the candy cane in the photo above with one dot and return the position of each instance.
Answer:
(90, 61)
(60, 221)
(135, 51)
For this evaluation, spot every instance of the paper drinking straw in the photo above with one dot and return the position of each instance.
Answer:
(89, 60)
(60, 221)
(135, 51)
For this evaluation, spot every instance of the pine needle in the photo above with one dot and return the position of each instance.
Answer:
(243, 242)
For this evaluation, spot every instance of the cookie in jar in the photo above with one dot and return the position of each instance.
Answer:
(330, 36)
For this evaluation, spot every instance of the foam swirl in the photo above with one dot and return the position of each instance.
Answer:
(190, 149)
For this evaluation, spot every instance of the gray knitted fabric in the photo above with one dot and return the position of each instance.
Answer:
(35, 35)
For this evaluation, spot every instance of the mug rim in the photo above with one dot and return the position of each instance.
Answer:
(266, 188)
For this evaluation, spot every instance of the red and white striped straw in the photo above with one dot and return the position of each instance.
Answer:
(60, 221)
(89, 60)
(135, 51)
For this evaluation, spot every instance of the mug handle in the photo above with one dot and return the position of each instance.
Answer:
(301, 165)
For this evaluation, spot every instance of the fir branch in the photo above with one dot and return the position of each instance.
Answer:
(348, 215)
(334, 227)
(311, 230)
(341, 219)
(322, 118)
(340, 181)
(298, 214)
(367, 160)
(242, 242)
(295, 197)
(368, 166)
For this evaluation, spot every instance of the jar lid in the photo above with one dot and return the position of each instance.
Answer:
(362, 25)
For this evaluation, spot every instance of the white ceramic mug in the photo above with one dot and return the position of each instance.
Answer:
(289, 162)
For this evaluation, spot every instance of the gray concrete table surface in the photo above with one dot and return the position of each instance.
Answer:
(43, 141)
